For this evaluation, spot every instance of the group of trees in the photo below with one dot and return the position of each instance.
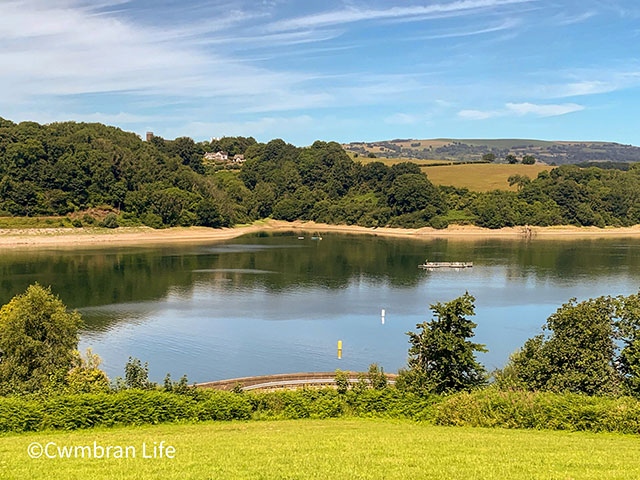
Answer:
(61, 168)
(566, 195)
(65, 167)
(509, 158)
(590, 347)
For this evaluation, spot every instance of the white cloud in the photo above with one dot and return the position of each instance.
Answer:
(352, 14)
(562, 20)
(586, 87)
(62, 49)
(478, 114)
(507, 25)
(590, 82)
(543, 110)
(521, 109)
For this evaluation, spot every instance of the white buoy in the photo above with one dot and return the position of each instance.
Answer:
(382, 316)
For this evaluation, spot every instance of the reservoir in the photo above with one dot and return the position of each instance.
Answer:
(277, 303)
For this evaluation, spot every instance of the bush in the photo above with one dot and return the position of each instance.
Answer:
(299, 404)
(377, 378)
(110, 221)
(88, 219)
(342, 381)
(391, 403)
(136, 375)
(130, 407)
(77, 223)
(152, 220)
(128, 219)
(518, 409)
(439, 222)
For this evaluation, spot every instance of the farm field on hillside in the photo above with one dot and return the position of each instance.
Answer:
(353, 448)
(392, 161)
(481, 177)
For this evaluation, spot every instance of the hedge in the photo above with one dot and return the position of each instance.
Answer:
(540, 410)
(130, 407)
(484, 408)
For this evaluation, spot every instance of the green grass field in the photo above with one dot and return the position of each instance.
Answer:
(392, 161)
(332, 449)
(481, 177)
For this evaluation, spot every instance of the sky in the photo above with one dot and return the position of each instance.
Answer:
(342, 70)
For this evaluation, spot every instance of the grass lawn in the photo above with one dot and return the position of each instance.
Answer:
(481, 177)
(332, 449)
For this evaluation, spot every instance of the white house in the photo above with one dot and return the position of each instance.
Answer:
(216, 156)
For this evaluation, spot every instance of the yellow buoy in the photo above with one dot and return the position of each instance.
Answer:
(339, 349)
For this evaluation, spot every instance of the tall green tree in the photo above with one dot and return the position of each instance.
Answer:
(411, 192)
(38, 337)
(441, 351)
(580, 350)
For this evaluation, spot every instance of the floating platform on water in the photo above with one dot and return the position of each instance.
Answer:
(430, 265)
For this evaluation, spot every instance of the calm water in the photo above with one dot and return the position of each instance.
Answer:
(273, 304)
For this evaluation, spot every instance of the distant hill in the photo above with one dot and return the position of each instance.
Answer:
(553, 153)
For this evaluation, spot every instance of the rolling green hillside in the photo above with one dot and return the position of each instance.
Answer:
(473, 149)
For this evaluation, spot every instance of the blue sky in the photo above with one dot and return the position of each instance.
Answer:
(330, 70)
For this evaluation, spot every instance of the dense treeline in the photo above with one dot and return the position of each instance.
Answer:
(62, 168)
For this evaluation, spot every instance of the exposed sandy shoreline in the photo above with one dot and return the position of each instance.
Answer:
(69, 237)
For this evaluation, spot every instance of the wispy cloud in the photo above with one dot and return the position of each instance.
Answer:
(66, 49)
(506, 25)
(479, 114)
(590, 82)
(353, 14)
(543, 110)
(564, 19)
(521, 109)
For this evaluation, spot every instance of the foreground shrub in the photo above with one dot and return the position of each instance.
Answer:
(306, 403)
(392, 403)
(129, 407)
(540, 410)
